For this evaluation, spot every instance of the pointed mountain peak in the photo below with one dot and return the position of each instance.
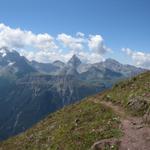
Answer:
(75, 56)
(74, 61)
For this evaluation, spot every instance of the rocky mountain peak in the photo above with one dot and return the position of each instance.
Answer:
(74, 61)
(9, 54)
(11, 62)
(4, 51)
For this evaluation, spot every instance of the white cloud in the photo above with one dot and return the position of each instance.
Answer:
(96, 44)
(90, 57)
(45, 48)
(17, 38)
(90, 49)
(140, 59)
(73, 43)
(43, 56)
(80, 34)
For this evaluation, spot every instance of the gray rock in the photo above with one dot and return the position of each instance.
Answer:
(106, 144)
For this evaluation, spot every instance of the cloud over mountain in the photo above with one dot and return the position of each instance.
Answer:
(72, 43)
(140, 59)
(46, 48)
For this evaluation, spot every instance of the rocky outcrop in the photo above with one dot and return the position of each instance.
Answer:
(106, 144)
(138, 104)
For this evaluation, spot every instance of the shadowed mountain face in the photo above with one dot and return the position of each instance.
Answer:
(29, 91)
(14, 64)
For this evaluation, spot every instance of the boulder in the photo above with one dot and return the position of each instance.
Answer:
(106, 144)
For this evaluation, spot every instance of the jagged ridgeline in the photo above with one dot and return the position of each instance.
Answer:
(80, 125)
(29, 91)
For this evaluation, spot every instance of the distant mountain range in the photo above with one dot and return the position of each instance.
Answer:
(29, 91)
(75, 63)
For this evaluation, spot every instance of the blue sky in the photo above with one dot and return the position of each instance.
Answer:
(121, 23)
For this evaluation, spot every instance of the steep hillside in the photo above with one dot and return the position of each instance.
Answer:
(103, 118)
(132, 94)
(74, 127)
(27, 96)
(29, 99)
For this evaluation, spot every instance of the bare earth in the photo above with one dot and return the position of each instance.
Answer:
(136, 133)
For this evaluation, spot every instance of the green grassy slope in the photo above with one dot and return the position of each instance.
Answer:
(78, 126)
(132, 94)
(75, 127)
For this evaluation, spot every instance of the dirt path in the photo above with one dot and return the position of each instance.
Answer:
(136, 134)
